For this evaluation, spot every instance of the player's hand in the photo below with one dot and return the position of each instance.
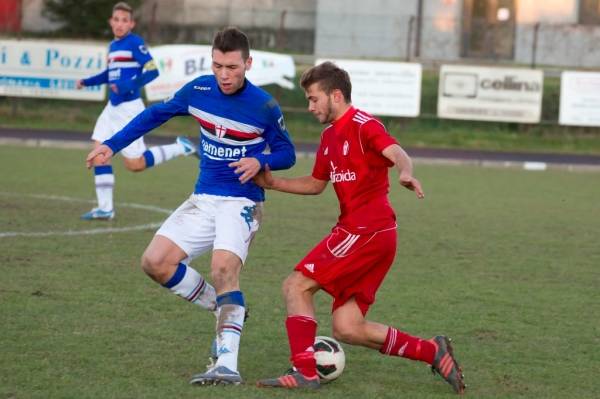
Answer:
(412, 184)
(114, 88)
(79, 85)
(265, 178)
(98, 156)
(247, 168)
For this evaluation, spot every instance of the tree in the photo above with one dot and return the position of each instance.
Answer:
(83, 18)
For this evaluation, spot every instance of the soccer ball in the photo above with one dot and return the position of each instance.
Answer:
(330, 358)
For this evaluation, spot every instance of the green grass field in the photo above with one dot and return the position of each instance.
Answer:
(502, 260)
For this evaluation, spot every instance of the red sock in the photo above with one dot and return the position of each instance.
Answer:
(301, 335)
(398, 343)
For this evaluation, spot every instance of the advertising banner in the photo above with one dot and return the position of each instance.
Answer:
(490, 94)
(579, 98)
(384, 88)
(30, 68)
(178, 64)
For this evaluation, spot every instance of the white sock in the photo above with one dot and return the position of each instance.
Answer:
(167, 152)
(104, 191)
(229, 331)
(189, 284)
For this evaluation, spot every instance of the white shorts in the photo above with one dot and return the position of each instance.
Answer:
(114, 118)
(204, 222)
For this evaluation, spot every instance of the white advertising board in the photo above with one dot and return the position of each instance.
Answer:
(30, 68)
(178, 64)
(490, 94)
(384, 88)
(579, 98)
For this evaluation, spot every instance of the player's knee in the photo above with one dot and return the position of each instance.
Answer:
(347, 334)
(291, 286)
(151, 265)
(135, 164)
(220, 273)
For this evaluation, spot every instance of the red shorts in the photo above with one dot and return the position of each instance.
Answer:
(349, 265)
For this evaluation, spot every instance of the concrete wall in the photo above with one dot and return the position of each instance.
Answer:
(283, 24)
(441, 30)
(358, 28)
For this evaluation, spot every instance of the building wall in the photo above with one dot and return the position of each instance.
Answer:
(357, 28)
(283, 24)
(441, 30)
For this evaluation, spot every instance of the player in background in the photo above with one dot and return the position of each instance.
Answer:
(350, 264)
(237, 121)
(130, 67)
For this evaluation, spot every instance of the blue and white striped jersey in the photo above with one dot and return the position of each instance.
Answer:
(130, 66)
(240, 125)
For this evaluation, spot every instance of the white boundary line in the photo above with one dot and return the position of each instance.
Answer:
(105, 230)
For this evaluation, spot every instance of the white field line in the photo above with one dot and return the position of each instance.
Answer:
(104, 230)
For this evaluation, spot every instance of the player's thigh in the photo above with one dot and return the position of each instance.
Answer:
(103, 128)
(191, 226)
(122, 114)
(236, 222)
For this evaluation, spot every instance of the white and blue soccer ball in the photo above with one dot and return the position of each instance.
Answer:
(330, 358)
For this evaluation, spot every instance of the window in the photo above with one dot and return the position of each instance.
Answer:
(589, 12)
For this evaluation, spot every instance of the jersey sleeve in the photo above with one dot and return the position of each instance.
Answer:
(151, 118)
(141, 54)
(96, 80)
(149, 70)
(282, 152)
(375, 137)
(321, 167)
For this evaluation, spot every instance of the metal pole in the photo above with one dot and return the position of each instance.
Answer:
(409, 38)
(281, 33)
(419, 26)
(536, 29)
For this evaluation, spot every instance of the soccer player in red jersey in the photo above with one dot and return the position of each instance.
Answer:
(350, 263)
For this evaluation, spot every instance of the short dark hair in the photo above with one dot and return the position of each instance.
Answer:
(329, 77)
(232, 39)
(121, 5)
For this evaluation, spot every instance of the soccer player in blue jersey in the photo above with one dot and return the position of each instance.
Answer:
(237, 122)
(130, 67)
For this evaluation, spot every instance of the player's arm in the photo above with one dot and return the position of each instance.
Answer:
(95, 80)
(282, 153)
(403, 164)
(149, 71)
(145, 121)
(307, 185)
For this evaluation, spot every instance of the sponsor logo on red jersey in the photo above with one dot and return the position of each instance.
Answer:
(341, 176)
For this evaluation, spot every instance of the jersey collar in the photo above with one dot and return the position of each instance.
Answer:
(344, 118)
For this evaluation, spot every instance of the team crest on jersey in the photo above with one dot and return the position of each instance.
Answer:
(346, 148)
(281, 123)
(220, 131)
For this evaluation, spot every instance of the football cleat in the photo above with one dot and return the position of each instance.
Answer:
(189, 148)
(98, 214)
(446, 365)
(293, 379)
(218, 375)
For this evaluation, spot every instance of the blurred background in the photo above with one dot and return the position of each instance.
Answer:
(549, 32)
(551, 36)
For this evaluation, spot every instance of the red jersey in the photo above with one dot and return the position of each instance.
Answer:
(349, 155)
